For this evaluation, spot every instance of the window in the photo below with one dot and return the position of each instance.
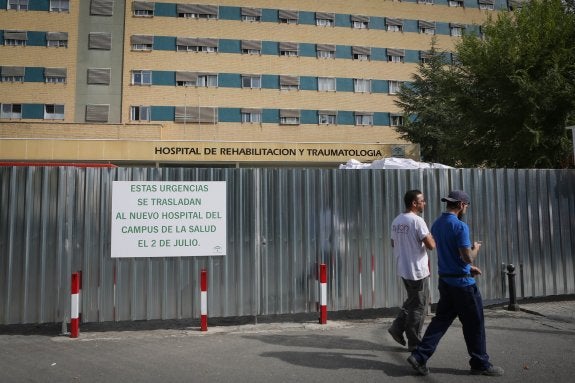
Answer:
(197, 11)
(97, 113)
(324, 19)
(428, 2)
(288, 49)
(424, 57)
(18, 5)
(359, 22)
(53, 112)
(395, 120)
(59, 5)
(427, 31)
(251, 116)
(251, 14)
(327, 117)
(250, 47)
(15, 38)
(395, 55)
(57, 39)
(289, 82)
(365, 119)
(207, 80)
(289, 117)
(196, 114)
(455, 3)
(186, 44)
(142, 42)
(487, 5)
(254, 82)
(326, 84)
(12, 73)
(140, 113)
(426, 27)
(141, 77)
(102, 7)
(143, 8)
(100, 40)
(99, 76)
(361, 85)
(361, 53)
(288, 17)
(393, 25)
(325, 51)
(55, 75)
(394, 86)
(12, 111)
(456, 31)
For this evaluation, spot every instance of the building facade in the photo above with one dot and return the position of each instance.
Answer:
(217, 82)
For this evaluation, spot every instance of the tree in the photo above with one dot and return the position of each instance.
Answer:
(505, 99)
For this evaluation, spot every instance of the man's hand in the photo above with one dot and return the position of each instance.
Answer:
(475, 271)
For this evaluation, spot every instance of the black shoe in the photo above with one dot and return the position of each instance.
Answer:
(396, 336)
(421, 368)
(491, 371)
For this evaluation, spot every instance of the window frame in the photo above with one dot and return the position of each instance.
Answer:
(332, 84)
(324, 22)
(394, 28)
(394, 86)
(251, 117)
(252, 78)
(290, 120)
(136, 113)
(395, 59)
(363, 119)
(144, 74)
(12, 115)
(18, 5)
(360, 83)
(59, 7)
(54, 115)
(395, 120)
(326, 118)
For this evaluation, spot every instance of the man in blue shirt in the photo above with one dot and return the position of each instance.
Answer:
(458, 293)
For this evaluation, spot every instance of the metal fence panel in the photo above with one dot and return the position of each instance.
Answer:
(282, 223)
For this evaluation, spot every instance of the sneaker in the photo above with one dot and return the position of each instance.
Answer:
(396, 336)
(421, 368)
(491, 371)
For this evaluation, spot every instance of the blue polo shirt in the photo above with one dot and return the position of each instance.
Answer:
(450, 234)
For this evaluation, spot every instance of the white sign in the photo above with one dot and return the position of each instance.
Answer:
(168, 219)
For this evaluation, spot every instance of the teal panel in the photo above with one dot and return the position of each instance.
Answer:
(377, 23)
(307, 18)
(230, 80)
(307, 50)
(411, 56)
(343, 52)
(342, 20)
(442, 29)
(165, 9)
(270, 48)
(37, 5)
(410, 26)
(378, 54)
(33, 111)
(36, 39)
(308, 83)
(270, 81)
(271, 116)
(308, 117)
(162, 113)
(345, 118)
(344, 84)
(381, 119)
(162, 77)
(164, 43)
(379, 86)
(229, 46)
(230, 13)
(270, 15)
(34, 74)
(229, 115)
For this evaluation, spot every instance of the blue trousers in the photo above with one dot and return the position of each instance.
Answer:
(466, 304)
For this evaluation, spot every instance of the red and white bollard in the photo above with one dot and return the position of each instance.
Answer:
(360, 285)
(323, 293)
(74, 319)
(204, 300)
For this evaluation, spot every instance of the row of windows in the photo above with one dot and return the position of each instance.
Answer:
(207, 115)
(102, 76)
(31, 5)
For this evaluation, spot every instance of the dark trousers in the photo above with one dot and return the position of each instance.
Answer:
(466, 304)
(412, 315)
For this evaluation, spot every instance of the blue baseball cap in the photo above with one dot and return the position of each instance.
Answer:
(456, 196)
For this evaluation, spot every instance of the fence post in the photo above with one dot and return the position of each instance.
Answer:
(75, 300)
(513, 306)
(323, 293)
(204, 300)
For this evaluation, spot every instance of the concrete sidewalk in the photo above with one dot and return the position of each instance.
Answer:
(533, 345)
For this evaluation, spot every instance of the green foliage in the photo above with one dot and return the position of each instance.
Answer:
(505, 100)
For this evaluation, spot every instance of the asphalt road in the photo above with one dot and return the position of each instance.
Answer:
(531, 348)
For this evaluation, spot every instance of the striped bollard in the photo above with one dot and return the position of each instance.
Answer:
(360, 285)
(204, 300)
(323, 293)
(74, 320)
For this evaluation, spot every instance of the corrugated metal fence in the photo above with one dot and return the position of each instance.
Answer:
(281, 224)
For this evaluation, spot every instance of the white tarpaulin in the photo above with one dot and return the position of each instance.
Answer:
(393, 163)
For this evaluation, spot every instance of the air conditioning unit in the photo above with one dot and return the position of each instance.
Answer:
(398, 151)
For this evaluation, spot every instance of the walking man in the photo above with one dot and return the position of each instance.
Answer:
(458, 293)
(410, 238)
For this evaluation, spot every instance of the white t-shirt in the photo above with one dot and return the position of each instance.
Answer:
(407, 233)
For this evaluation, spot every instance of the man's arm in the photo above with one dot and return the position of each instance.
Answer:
(429, 242)
(469, 255)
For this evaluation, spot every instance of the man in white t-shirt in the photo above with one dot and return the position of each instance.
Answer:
(410, 239)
